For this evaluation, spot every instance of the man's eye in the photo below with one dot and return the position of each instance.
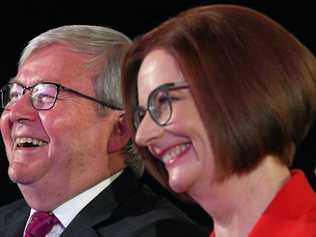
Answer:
(45, 97)
(14, 95)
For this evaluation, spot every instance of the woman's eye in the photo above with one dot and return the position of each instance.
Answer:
(167, 99)
(141, 113)
(164, 99)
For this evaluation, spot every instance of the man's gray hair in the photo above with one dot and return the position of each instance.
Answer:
(107, 48)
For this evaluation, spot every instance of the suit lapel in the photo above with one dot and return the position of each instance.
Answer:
(102, 207)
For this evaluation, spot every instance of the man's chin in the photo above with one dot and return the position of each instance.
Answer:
(19, 175)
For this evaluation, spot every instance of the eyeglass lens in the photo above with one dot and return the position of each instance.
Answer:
(160, 106)
(43, 95)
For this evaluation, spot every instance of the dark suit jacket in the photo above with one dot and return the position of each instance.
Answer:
(125, 208)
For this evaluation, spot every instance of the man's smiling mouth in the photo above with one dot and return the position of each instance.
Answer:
(28, 142)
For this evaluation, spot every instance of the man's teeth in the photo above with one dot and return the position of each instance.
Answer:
(27, 142)
(174, 152)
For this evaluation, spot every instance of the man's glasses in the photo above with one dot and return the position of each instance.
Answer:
(159, 104)
(43, 95)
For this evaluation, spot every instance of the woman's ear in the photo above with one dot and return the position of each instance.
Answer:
(120, 134)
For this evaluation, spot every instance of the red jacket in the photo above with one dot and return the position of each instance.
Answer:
(292, 212)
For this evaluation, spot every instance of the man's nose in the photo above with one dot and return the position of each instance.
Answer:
(22, 109)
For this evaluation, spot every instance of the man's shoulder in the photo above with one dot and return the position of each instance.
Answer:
(149, 214)
(136, 198)
(14, 207)
(129, 208)
(13, 215)
(145, 201)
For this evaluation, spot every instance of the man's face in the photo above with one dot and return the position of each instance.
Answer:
(73, 138)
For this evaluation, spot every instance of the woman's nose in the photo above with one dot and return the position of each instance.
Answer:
(148, 131)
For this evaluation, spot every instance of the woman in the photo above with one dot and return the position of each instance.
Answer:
(219, 98)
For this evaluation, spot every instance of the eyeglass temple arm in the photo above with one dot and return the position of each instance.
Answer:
(91, 98)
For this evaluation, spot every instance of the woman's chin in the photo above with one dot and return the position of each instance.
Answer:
(178, 185)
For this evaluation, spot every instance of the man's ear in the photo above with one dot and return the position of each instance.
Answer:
(120, 134)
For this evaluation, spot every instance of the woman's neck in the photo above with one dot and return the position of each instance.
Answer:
(237, 203)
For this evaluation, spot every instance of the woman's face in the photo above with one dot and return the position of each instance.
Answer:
(182, 144)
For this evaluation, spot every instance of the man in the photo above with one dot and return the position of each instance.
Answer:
(65, 139)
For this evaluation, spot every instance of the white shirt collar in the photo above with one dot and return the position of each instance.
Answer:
(69, 210)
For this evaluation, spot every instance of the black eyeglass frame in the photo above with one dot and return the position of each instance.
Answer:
(164, 87)
(58, 88)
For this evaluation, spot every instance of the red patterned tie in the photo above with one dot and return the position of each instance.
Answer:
(40, 224)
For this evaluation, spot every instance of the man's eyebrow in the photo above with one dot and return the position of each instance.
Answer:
(36, 78)
(12, 79)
